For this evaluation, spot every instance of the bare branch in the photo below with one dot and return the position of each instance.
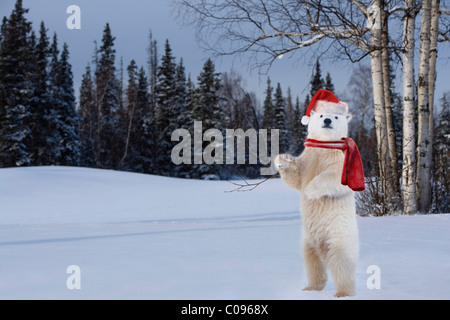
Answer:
(445, 36)
(265, 30)
(361, 7)
(246, 187)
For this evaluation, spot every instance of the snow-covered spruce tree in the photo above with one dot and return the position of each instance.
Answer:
(329, 83)
(184, 118)
(280, 119)
(153, 70)
(166, 113)
(184, 103)
(268, 121)
(207, 107)
(187, 122)
(49, 138)
(297, 131)
(88, 124)
(41, 98)
(316, 82)
(207, 110)
(69, 119)
(109, 147)
(16, 65)
(441, 173)
(143, 139)
(289, 111)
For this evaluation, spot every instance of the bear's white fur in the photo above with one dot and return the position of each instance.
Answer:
(330, 232)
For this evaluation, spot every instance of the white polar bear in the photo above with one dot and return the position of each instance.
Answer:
(330, 232)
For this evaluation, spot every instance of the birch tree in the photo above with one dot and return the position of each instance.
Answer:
(375, 21)
(424, 160)
(393, 169)
(408, 171)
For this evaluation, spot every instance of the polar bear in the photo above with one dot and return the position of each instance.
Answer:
(330, 232)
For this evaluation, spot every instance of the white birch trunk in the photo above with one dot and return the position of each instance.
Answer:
(392, 172)
(423, 159)
(378, 92)
(409, 145)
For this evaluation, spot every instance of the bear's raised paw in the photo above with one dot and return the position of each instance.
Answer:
(284, 160)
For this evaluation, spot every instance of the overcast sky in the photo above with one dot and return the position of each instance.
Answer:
(131, 21)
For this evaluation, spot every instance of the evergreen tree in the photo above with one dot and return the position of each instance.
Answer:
(16, 65)
(184, 102)
(317, 82)
(441, 173)
(329, 83)
(65, 97)
(166, 115)
(297, 133)
(153, 70)
(269, 114)
(42, 98)
(108, 148)
(50, 130)
(280, 119)
(88, 123)
(143, 136)
(184, 118)
(289, 110)
(207, 109)
(190, 102)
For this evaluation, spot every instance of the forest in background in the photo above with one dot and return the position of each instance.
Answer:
(125, 115)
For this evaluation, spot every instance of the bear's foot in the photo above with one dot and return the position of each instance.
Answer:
(341, 294)
(313, 288)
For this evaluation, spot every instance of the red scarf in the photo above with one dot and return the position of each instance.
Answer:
(352, 173)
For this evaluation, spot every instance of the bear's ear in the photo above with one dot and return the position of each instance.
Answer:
(349, 117)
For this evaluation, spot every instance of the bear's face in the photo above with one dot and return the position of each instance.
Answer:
(328, 126)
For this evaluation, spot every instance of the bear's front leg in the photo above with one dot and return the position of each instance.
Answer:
(288, 168)
(328, 183)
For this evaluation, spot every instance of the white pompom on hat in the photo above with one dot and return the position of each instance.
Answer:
(324, 102)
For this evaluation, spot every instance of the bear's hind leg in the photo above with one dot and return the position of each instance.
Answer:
(315, 269)
(342, 267)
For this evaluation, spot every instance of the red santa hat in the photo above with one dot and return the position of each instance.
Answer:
(324, 102)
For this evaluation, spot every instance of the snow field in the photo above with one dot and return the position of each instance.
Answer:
(139, 236)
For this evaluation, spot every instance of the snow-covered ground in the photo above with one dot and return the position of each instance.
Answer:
(139, 236)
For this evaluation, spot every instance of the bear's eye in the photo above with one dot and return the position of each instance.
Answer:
(321, 115)
(336, 118)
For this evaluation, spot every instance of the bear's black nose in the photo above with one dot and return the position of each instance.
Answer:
(327, 121)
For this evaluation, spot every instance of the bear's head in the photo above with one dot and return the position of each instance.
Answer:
(327, 117)
(328, 126)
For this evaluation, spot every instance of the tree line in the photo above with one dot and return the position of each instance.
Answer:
(121, 124)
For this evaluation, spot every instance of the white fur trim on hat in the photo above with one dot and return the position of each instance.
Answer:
(330, 107)
(305, 120)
